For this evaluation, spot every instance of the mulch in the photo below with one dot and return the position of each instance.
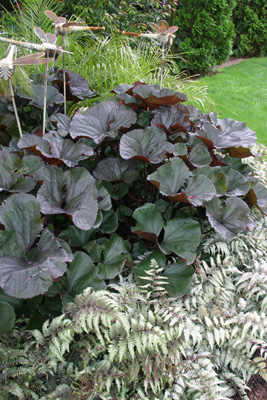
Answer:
(230, 62)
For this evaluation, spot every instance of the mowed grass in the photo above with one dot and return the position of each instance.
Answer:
(240, 92)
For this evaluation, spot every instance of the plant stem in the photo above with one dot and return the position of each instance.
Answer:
(45, 96)
(145, 182)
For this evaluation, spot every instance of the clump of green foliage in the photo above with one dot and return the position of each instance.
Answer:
(250, 22)
(205, 34)
(126, 14)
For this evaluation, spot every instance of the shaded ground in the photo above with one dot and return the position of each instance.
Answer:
(258, 388)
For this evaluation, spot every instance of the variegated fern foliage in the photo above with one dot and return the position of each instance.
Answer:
(136, 343)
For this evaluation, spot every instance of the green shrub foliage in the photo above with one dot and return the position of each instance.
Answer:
(250, 19)
(205, 33)
(122, 14)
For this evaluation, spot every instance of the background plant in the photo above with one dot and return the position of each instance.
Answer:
(107, 63)
(126, 15)
(250, 28)
(205, 33)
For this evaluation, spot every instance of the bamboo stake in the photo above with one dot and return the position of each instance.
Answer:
(14, 106)
(64, 77)
(15, 109)
(161, 69)
(45, 98)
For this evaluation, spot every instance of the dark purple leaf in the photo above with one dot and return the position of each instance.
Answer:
(54, 146)
(62, 123)
(170, 177)
(26, 279)
(154, 97)
(149, 144)
(37, 96)
(72, 192)
(15, 171)
(104, 119)
(79, 86)
(230, 217)
(200, 156)
(238, 185)
(116, 169)
(173, 118)
(231, 134)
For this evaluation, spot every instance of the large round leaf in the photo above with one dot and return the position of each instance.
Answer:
(217, 177)
(37, 96)
(116, 169)
(53, 146)
(76, 237)
(79, 86)
(199, 189)
(15, 171)
(229, 218)
(170, 177)
(149, 222)
(237, 164)
(113, 258)
(109, 223)
(182, 237)
(180, 149)
(238, 185)
(179, 278)
(62, 122)
(22, 221)
(8, 317)
(200, 156)
(153, 96)
(229, 134)
(73, 193)
(81, 273)
(172, 118)
(104, 119)
(145, 265)
(149, 144)
(25, 278)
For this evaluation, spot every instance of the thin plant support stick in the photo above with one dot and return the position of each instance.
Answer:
(64, 77)
(163, 35)
(162, 61)
(15, 109)
(14, 106)
(45, 97)
(63, 28)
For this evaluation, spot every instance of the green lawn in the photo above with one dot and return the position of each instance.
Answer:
(240, 92)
